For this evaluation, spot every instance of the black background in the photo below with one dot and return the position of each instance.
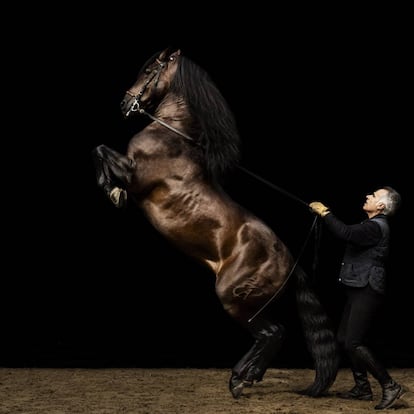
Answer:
(322, 103)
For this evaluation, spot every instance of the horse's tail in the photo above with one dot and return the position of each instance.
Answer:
(319, 335)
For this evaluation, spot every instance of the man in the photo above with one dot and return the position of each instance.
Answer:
(363, 275)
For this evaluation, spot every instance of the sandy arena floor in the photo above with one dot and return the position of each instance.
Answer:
(181, 391)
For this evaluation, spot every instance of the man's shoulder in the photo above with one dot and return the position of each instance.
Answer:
(382, 221)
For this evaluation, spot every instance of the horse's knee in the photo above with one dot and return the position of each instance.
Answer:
(262, 329)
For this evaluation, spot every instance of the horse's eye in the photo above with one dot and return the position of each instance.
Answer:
(171, 57)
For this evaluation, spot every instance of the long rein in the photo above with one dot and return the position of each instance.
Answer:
(275, 187)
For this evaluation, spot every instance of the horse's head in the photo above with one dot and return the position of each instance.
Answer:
(153, 82)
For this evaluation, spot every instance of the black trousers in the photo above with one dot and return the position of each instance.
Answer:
(362, 306)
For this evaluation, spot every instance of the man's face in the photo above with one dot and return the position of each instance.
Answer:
(373, 203)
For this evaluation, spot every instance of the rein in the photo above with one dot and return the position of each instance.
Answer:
(290, 273)
(136, 107)
(275, 187)
(142, 111)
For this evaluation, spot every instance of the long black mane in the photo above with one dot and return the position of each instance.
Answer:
(218, 135)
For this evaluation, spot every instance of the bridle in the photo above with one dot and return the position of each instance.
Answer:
(155, 75)
(137, 104)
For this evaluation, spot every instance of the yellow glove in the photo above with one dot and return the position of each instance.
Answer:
(319, 208)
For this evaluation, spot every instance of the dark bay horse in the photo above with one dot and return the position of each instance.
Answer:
(172, 171)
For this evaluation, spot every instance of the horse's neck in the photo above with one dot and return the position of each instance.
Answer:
(173, 109)
(174, 116)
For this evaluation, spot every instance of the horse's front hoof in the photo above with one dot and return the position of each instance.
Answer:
(118, 196)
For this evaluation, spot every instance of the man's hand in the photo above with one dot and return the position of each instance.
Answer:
(319, 208)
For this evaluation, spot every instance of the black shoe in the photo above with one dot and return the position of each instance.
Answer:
(390, 393)
(357, 393)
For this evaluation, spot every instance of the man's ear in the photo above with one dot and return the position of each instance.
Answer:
(380, 205)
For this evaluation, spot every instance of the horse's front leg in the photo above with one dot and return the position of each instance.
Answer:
(113, 173)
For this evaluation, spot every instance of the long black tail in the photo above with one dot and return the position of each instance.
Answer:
(319, 335)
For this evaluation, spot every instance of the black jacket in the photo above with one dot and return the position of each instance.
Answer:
(366, 252)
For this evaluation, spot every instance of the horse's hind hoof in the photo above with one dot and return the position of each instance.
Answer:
(236, 386)
(118, 196)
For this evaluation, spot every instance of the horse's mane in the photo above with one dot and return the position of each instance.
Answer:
(218, 135)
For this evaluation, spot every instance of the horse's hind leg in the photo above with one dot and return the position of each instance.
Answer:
(113, 172)
(253, 365)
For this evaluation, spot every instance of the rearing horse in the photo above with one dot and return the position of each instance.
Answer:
(171, 171)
